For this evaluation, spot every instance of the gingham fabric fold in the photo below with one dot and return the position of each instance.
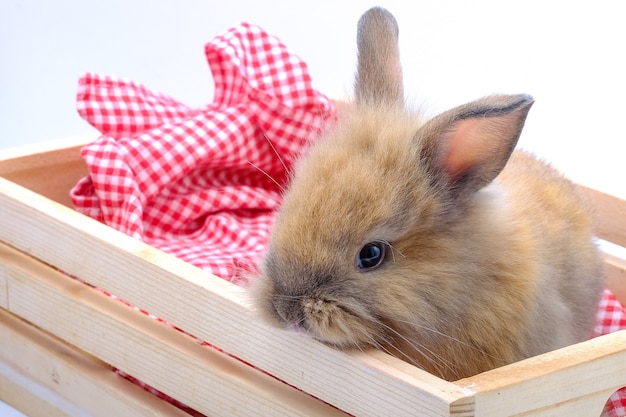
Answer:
(611, 317)
(203, 183)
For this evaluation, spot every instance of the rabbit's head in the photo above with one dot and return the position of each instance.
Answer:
(369, 245)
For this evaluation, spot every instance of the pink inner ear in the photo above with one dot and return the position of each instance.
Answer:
(478, 143)
(464, 147)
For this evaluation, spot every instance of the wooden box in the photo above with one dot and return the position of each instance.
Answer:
(57, 334)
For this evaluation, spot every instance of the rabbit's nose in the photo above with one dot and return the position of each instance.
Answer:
(289, 310)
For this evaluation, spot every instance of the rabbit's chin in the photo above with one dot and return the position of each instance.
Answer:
(343, 340)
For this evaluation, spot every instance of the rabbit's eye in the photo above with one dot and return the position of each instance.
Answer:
(371, 256)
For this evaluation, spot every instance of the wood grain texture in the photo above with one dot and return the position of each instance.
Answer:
(212, 309)
(22, 393)
(573, 381)
(42, 376)
(49, 169)
(610, 215)
(158, 355)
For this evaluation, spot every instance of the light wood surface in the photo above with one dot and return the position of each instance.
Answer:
(42, 376)
(159, 355)
(40, 235)
(220, 311)
(49, 169)
(579, 379)
(610, 215)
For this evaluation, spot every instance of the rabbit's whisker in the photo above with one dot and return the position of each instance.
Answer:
(393, 251)
(433, 357)
(282, 189)
(454, 339)
(288, 297)
(282, 162)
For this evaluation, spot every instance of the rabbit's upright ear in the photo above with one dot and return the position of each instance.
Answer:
(379, 74)
(467, 147)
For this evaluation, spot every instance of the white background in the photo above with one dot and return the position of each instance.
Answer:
(570, 55)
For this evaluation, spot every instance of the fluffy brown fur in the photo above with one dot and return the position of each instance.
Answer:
(486, 265)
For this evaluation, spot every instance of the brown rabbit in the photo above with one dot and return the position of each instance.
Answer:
(413, 236)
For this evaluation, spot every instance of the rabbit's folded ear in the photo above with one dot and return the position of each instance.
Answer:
(467, 147)
(379, 74)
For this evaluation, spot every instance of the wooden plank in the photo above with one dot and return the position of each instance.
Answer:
(576, 379)
(584, 406)
(50, 169)
(434, 397)
(19, 392)
(40, 375)
(615, 270)
(4, 296)
(165, 358)
(214, 310)
(610, 215)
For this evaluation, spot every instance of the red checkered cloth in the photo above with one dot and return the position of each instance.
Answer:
(611, 317)
(203, 183)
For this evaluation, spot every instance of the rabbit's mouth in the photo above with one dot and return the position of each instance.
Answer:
(338, 323)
